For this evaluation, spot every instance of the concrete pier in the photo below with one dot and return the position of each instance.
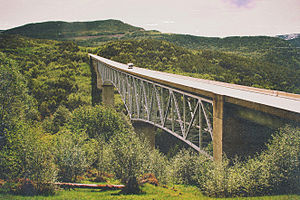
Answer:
(146, 131)
(108, 98)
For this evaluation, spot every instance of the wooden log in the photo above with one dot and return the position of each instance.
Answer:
(90, 186)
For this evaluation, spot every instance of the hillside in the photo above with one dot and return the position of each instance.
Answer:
(273, 70)
(295, 42)
(98, 32)
(259, 61)
(289, 36)
(57, 73)
(244, 44)
(72, 30)
(236, 43)
(294, 38)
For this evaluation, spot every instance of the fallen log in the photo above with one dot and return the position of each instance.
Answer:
(90, 186)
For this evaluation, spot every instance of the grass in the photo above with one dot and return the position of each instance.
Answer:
(150, 192)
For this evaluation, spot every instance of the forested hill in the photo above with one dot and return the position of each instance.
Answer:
(260, 61)
(234, 43)
(265, 71)
(97, 32)
(294, 38)
(67, 30)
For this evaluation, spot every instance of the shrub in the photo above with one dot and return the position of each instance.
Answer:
(129, 154)
(275, 171)
(132, 157)
(28, 155)
(283, 158)
(157, 164)
(61, 116)
(75, 153)
(104, 157)
(98, 121)
(184, 166)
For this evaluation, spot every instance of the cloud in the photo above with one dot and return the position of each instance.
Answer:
(168, 22)
(151, 24)
(240, 3)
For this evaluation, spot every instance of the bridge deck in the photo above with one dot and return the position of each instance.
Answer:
(259, 99)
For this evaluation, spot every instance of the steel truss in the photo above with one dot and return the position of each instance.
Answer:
(184, 115)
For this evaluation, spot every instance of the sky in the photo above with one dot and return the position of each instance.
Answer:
(215, 18)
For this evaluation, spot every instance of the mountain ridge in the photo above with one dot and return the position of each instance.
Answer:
(289, 36)
(95, 33)
(65, 30)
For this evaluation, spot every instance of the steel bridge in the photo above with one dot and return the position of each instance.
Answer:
(195, 111)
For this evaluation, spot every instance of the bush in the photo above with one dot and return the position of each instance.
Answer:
(184, 167)
(98, 121)
(28, 155)
(129, 154)
(104, 157)
(75, 153)
(54, 123)
(157, 164)
(133, 157)
(274, 171)
(283, 160)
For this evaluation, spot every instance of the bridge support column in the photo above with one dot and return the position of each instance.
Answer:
(108, 95)
(218, 127)
(96, 82)
(99, 80)
(145, 131)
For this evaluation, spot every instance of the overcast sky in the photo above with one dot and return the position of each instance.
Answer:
(196, 17)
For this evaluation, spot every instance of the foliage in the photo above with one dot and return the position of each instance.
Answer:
(98, 121)
(156, 163)
(74, 154)
(15, 102)
(54, 123)
(129, 153)
(104, 157)
(274, 171)
(271, 69)
(65, 30)
(186, 165)
(132, 157)
(27, 154)
(54, 71)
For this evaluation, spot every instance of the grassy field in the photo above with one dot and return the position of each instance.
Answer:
(150, 192)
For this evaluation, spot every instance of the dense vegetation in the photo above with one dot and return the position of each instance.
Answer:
(68, 30)
(56, 72)
(276, 69)
(96, 32)
(261, 61)
(50, 131)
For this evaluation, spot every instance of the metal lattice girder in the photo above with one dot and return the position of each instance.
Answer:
(184, 115)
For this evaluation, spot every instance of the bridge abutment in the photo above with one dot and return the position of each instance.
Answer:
(145, 131)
